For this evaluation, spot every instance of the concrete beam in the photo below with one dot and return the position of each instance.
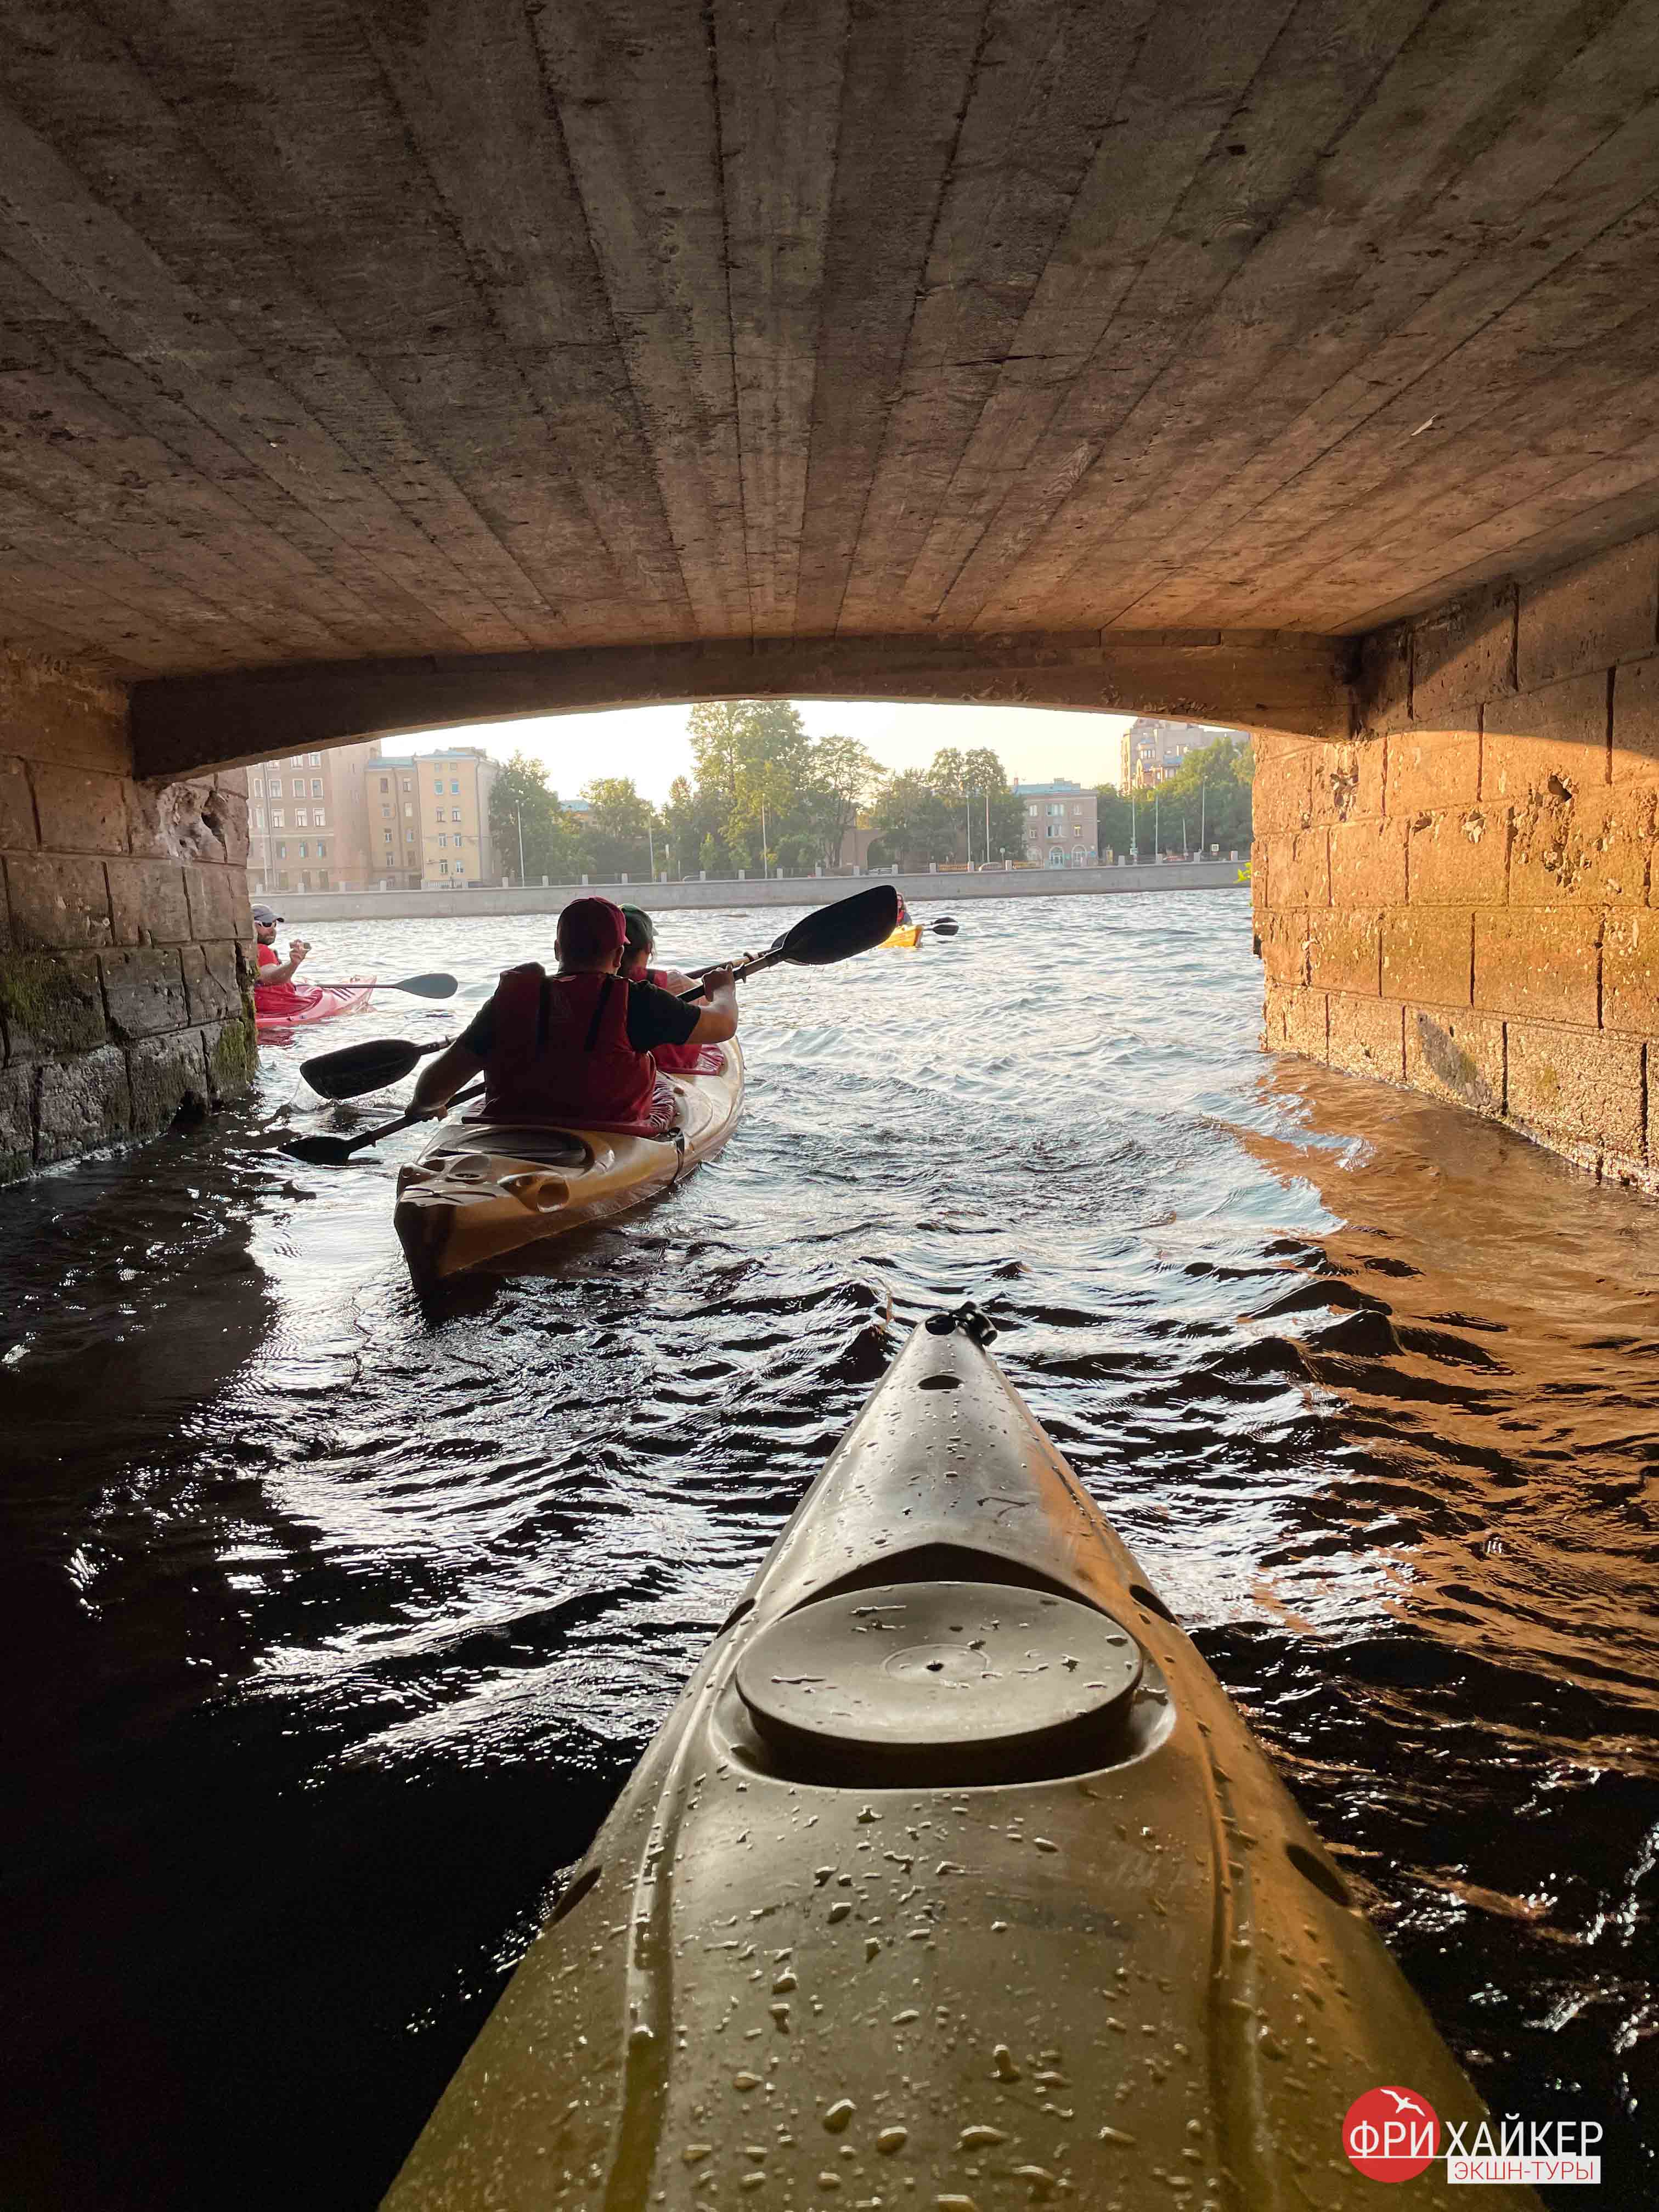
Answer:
(1251, 680)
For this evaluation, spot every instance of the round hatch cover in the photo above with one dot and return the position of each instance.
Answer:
(958, 1679)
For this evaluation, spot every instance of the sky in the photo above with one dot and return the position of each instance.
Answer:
(650, 745)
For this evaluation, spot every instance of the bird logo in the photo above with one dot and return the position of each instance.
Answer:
(1405, 2104)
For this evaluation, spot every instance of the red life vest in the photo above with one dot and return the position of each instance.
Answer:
(281, 997)
(684, 1058)
(559, 1053)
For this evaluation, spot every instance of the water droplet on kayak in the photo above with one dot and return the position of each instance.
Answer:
(979, 2137)
(838, 2114)
(1002, 2063)
(891, 2140)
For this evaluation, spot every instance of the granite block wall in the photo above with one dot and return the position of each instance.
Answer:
(124, 931)
(1463, 899)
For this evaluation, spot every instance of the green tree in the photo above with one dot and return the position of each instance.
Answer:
(1209, 793)
(843, 776)
(617, 834)
(917, 823)
(521, 796)
(1116, 828)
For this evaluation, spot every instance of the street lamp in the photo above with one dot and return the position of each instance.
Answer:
(520, 815)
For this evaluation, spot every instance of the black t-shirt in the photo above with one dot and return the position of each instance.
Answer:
(654, 1018)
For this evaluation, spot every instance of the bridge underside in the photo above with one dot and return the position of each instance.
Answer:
(369, 369)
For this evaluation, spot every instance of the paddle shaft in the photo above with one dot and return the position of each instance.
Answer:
(423, 987)
(408, 1120)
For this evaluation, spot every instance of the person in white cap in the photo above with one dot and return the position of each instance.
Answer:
(275, 992)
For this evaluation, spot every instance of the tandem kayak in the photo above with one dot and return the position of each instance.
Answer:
(331, 999)
(481, 1193)
(952, 1880)
(904, 939)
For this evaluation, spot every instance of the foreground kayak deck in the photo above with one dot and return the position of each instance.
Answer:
(953, 1880)
(904, 939)
(337, 999)
(480, 1193)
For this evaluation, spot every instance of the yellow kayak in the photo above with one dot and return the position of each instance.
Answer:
(953, 1880)
(905, 938)
(481, 1193)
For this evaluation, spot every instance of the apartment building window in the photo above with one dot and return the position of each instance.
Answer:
(301, 816)
(443, 868)
(296, 760)
(258, 789)
(299, 787)
(1056, 806)
(408, 786)
(282, 852)
(316, 785)
(1056, 829)
(409, 837)
(1078, 855)
(322, 850)
(258, 818)
(409, 805)
(459, 870)
(279, 818)
(438, 786)
(455, 787)
(316, 818)
(387, 834)
(443, 841)
(454, 813)
(305, 850)
(386, 811)
(316, 760)
(385, 783)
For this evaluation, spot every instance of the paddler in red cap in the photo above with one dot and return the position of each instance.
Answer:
(575, 1048)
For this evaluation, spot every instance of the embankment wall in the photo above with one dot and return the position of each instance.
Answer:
(123, 927)
(1463, 899)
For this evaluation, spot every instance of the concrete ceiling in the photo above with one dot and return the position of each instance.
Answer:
(338, 332)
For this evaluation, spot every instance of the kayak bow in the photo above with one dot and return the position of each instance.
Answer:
(953, 1878)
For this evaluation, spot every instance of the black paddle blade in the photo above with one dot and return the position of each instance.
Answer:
(837, 933)
(356, 1069)
(943, 928)
(424, 986)
(318, 1152)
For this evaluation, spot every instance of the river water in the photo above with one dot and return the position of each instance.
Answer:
(338, 1624)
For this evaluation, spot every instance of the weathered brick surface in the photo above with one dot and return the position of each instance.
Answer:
(1285, 948)
(1296, 1023)
(1344, 949)
(144, 991)
(1457, 1056)
(148, 902)
(1548, 971)
(1559, 732)
(211, 982)
(177, 821)
(17, 827)
(1593, 850)
(112, 1015)
(1279, 795)
(57, 903)
(1366, 1037)
(1636, 721)
(1383, 680)
(80, 811)
(1630, 972)
(1345, 781)
(1588, 617)
(1461, 655)
(1429, 769)
(17, 1088)
(1458, 858)
(1428, 954)
(1299, 870)
(82, 1101)
(1581, 1089)
(68, 717)
(1368, 863)
(218, 903)
(52, 1005)
(169, 1078)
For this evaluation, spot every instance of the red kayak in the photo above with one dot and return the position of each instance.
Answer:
(319, 1002)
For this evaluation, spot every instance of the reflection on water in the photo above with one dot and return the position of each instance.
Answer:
(341, 1622)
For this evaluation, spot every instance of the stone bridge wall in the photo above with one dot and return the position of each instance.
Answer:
(123, 927)
(1463, 899)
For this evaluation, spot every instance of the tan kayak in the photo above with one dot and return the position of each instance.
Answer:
(481, 1193)
(953, 1881)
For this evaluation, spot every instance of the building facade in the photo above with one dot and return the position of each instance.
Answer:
(1153, 749)
(439, 817)
(308, 823)
(1061, 826)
